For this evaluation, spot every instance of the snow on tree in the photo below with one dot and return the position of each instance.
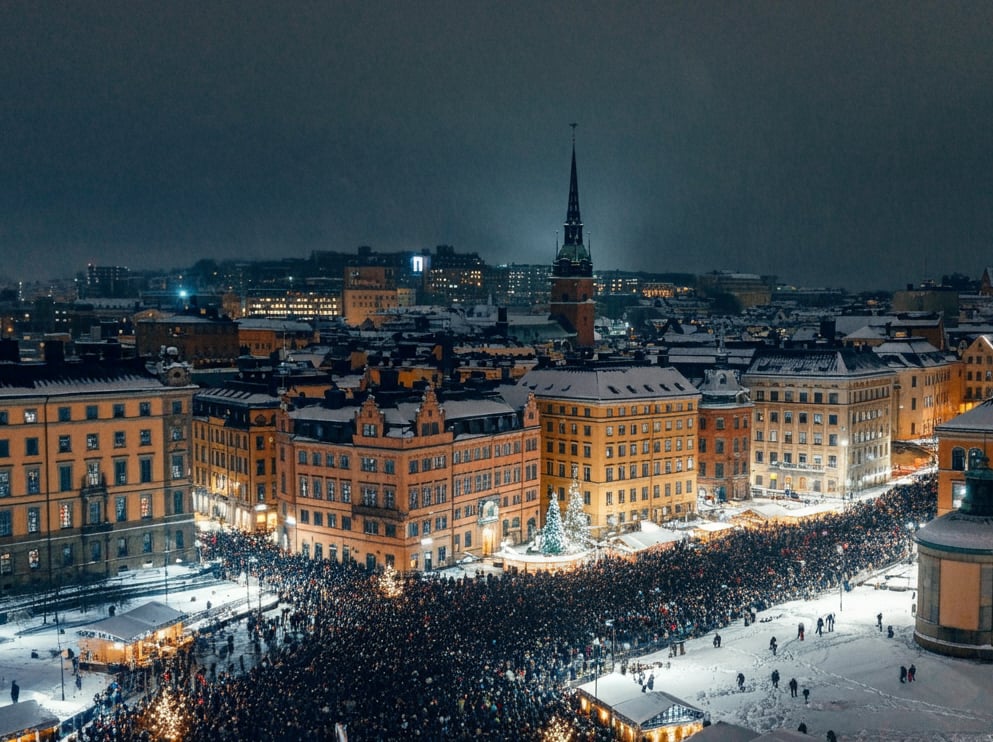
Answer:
(553, 535)
(574, 523)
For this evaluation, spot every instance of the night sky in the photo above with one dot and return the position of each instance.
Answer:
(830, 143)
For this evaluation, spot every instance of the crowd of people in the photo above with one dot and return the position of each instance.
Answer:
(491, 657)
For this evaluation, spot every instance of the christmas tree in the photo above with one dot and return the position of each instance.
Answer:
(553, 535)
(574, 523)
(390, 582)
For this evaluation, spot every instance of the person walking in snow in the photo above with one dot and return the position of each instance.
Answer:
(903, 673)
(793, 686)
(741, 681)
(879, 621)
(775, 678)
(912, 673)
(799, 631)
(773, 645)
(820, 626)
(806, 695)
(717, 640)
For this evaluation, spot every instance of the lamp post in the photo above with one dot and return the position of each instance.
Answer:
(62, 665)
(609, 623)
(165, 568)
(841, 584)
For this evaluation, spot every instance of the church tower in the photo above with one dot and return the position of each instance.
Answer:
(572, 272)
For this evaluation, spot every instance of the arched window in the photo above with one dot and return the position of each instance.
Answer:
(958, 458)
(976, 456)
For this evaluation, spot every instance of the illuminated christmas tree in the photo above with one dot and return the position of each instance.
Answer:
(553, 539)
(390, 583)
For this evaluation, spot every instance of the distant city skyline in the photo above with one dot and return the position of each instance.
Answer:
(840, 145)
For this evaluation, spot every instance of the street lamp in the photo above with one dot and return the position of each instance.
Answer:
(841, 583)
(165, 567)
(609, 623)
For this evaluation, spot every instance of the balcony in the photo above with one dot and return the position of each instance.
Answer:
(94, 483)
(375, 511)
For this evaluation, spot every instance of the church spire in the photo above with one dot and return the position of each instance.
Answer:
(573, 248)
(573, 221)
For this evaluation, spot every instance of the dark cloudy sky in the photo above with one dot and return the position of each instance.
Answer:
(830, 143)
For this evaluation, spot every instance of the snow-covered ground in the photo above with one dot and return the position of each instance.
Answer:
(852, 672)
(41, 678)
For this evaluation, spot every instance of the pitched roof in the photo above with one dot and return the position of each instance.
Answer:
(608, 384)
(136, 623)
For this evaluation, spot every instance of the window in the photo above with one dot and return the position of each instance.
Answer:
(67, 557)
(121, 471)
(145, 469)
(65, 444)
(177, 502)
(146, 543)
(92, 412)
(65, 414)
(65, 477)
(65, 515)
(122, 547)
(31, 447)
(93, 513)
(177, 407)
(34, 520)
(144, 409)
(6, 523)
(6, 564)
(145, 437)
(958, 459)
(31, 416)
(145, 506)
(118, 410)
(368, 463)
(178, 466)
(121, 509)
(120, 439)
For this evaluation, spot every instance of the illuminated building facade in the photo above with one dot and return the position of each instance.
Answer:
(412, 482)
(822, 421)
(94, 470)
(626, 432)
(723, 436)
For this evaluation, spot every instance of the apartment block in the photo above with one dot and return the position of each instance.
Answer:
(822, 421)
(94, 470)
(626, 432)
(413, 481)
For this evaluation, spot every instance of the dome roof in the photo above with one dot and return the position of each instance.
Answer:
(958, 532)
